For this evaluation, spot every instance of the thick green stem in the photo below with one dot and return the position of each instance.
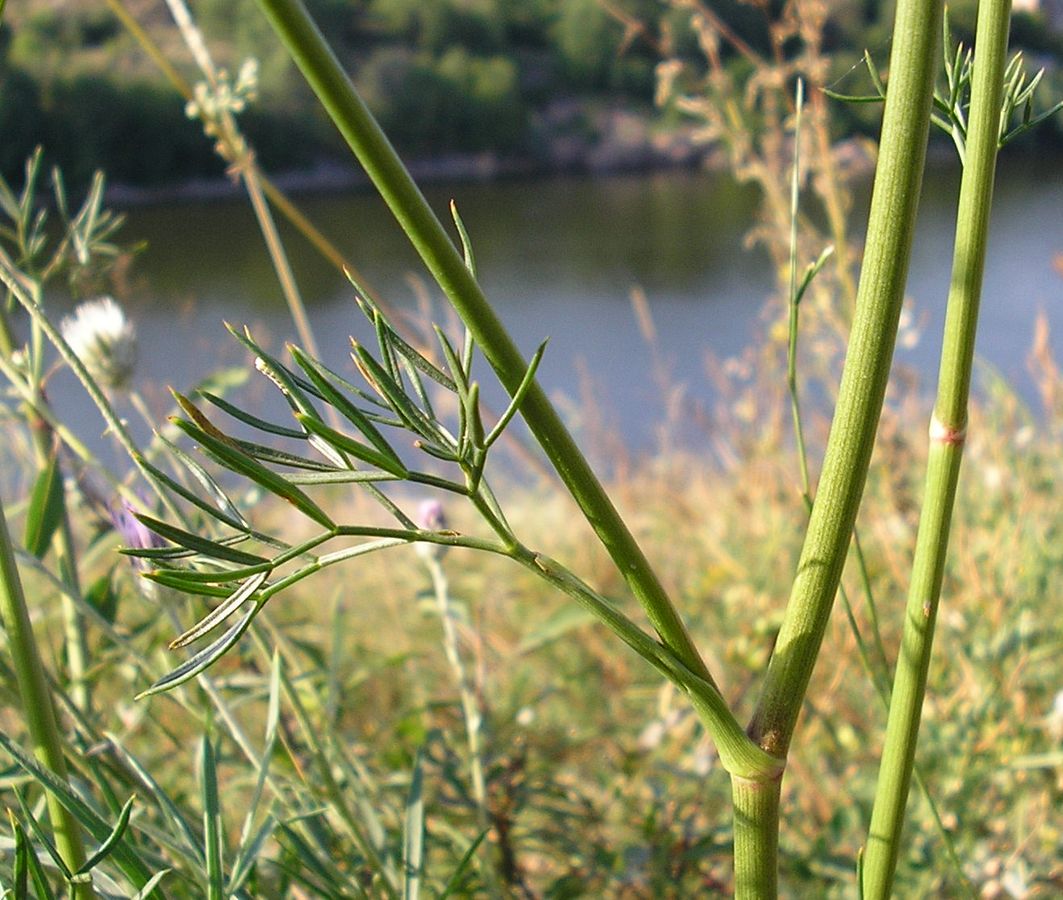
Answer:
(411, 210)
(895, 198)
(756, 836)
(894, 202)
(37, 705)
(947, 434)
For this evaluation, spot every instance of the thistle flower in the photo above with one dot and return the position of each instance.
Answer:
(430, 517)
(104, 340)
(137, 536)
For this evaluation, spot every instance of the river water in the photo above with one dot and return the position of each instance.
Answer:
(559, 259)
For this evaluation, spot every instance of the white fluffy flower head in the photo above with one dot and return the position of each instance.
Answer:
(104, 340)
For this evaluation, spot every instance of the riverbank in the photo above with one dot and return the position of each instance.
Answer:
(574, 140)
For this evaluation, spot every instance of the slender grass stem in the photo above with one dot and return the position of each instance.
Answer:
(948, 430)
(37, 705)
(328, 80)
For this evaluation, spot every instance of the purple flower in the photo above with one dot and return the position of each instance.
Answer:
(135, 534)
(430, 517)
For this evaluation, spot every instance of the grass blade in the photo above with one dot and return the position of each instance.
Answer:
(237, 460)
(413, 837)
(125, 858)
(200, 545)
(212, 825)
(45, 512)
(205, 658)
(220, 613)
(455, 879)
(146, 891)
(182, 828)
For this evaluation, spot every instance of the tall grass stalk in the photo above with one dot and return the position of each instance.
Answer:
(37, 706)
(948, 432)
(894, 201)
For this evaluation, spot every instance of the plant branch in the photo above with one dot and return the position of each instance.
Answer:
(894, 203)
(948, 430)
(383, 166)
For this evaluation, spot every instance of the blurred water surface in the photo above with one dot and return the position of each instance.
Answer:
(559, 259)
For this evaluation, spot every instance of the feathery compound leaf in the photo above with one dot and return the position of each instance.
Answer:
(518, 396)
(248, 419)
(222, 512)
(285, 380)
(320, 376)
(112, 840)
(283, 458)
(221, 576)
(175, 578)
(466, 244)
(222, 612)
(200, 545)
(457, 369)
(388, 463)
(202, 422)
(344, 476)
(391, 390)
(205, 658)
(237, 460)
(418, 360)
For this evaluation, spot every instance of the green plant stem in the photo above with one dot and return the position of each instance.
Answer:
(894, 204)
(863, 385)
(948, 431)
(756, 836)
(37, 705)
(328, 80)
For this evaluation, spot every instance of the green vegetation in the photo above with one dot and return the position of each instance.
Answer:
(458, 724)
(454, 76)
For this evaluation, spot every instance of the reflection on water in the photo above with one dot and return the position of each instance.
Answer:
(559, 258)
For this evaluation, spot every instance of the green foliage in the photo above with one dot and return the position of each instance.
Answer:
(457, 101)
